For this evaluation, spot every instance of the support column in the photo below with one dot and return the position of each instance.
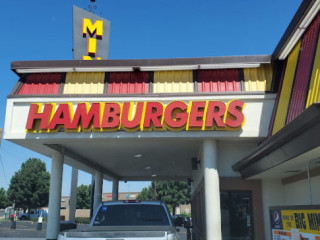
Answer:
(211, 190)
(73, 195)
(115, 190)
(97, 190)
(53, 226)
(91, 196)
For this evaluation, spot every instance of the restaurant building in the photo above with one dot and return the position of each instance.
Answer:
(244, 130)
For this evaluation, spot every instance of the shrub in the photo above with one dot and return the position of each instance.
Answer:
(83, 220)
(44, 219)
(186, 214)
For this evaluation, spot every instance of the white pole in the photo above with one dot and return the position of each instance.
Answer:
(73, 195)
(97, 190)
(53, 227)
(115, 190)
(309, 179)
(92, 196)
(211, 190)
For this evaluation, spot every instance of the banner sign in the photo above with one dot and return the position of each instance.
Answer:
(295, 223)
(133, 116)
(90, 36)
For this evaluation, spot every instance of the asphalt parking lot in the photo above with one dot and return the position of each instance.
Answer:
(23, 230)
(28, 230)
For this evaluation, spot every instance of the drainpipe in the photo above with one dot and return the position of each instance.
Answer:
(309, 180)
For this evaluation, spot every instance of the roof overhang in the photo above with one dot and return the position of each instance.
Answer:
(299, 138)
(300, 22)
(139, 155)
(22, 67)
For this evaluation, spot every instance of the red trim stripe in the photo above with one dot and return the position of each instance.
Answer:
(226, 80)
(301, 83)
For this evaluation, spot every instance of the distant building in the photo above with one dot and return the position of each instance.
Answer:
(65, 202)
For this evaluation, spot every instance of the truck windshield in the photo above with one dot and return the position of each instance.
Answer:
(131, 215)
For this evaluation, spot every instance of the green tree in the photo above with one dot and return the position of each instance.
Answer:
(4, 201)
(29, 187)
(83, 196)
(146, 193)
(173, 193)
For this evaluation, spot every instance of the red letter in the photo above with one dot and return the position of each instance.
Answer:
(196, 114)
(61, 117)
(235, 116)
(34, 115)
(215, 114)
(135, 122)
(111, 115)
(154, 111)
(181, 117)
(86, 117)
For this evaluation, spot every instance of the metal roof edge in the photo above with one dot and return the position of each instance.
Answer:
(136, 63)
(290, 131)
(301, 13)
(266, 95)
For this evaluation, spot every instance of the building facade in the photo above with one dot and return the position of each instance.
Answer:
(242, 130)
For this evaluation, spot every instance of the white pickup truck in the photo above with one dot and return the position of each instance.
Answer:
(127, 220)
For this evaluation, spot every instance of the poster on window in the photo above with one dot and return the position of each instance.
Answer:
(295, 222)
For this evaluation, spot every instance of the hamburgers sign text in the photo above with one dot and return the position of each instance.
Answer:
(133, 116)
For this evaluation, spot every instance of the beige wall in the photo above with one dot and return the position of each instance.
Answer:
(184, 209)
(85, 213)
(64, 213)
(121, 196)
(297, 193)
(274, 193)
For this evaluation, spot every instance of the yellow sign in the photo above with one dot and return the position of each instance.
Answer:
(92, 30)
(307, 221)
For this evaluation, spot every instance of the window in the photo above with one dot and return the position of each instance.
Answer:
(131, 215)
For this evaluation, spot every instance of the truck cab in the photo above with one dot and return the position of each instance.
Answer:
(128, 220)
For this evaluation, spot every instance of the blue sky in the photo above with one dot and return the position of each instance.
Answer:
(42, 30)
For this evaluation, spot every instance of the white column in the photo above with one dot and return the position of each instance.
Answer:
(115, 190)
(211, 190)
(97, 198)
(73, 195)
(53, 226)
(92, 196)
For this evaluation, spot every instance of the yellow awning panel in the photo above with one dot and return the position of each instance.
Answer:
(258, 79)
(286, 89)
(173, 82)
(84, 83)
(314, 88)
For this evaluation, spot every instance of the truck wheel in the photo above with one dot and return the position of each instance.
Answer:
(24, 218)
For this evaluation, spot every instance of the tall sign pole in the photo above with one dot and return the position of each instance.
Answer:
(92, 5)
(90, 42)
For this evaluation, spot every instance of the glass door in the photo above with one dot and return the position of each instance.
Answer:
(236, 215)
